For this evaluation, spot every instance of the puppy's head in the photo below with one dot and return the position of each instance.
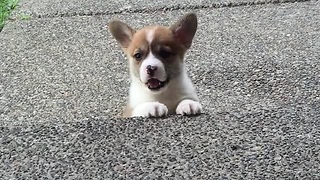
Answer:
(156, 53)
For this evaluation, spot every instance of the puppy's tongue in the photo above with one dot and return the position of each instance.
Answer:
(153, 83)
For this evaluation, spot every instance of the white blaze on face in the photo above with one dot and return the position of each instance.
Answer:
(151, 60)
(150, 35)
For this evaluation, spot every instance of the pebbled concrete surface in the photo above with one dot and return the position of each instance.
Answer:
(70, 68)
(270, 144)
(256, 69)
(47, 8)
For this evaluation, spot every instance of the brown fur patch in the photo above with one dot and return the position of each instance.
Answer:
(164, 47)
(163, 36)
(139, 42)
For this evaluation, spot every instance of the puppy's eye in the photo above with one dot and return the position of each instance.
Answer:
(164, 53)
(137, 56)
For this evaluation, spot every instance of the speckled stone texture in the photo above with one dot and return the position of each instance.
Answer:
(270, 144)
(63, 83)
(47, 8)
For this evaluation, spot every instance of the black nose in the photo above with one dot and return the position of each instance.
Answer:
(151, 70)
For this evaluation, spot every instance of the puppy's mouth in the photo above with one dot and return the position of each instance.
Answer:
(155, 84)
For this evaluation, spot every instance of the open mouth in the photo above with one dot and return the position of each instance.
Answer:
(155, 84)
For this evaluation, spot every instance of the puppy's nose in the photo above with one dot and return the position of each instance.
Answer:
(151, 70)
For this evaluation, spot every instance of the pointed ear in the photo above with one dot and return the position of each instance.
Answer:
(121, 32)
(185, 29)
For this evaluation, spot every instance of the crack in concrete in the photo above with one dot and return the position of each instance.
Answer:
(172, 8)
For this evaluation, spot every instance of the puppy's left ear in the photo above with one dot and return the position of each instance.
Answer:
(185, 29)
(122, 32)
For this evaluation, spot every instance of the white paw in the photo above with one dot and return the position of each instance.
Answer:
(189, 107)
(150, 109)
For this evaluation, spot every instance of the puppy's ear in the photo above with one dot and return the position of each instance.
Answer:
(185, 29)
(121, 32)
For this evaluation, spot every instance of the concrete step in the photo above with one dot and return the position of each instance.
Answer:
(260, 145)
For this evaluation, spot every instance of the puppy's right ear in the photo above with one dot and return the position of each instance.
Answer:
(185, 29)
(121, 32)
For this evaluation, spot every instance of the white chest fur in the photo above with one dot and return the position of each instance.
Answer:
(177, 90)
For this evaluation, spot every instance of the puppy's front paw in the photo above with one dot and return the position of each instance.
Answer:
(189, 107)
(150, 109)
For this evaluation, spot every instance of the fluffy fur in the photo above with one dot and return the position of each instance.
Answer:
(159, 81)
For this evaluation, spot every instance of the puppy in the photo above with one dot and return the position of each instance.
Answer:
(159, 81)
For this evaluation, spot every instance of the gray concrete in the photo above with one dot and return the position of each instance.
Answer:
(270, 144)
(47, 8)
(256, 69)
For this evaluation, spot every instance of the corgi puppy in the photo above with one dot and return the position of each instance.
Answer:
(159, 82)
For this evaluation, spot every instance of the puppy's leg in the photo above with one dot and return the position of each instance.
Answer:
(150, 109)
(188, 107)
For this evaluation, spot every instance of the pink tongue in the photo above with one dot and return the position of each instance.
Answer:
(153, 83)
